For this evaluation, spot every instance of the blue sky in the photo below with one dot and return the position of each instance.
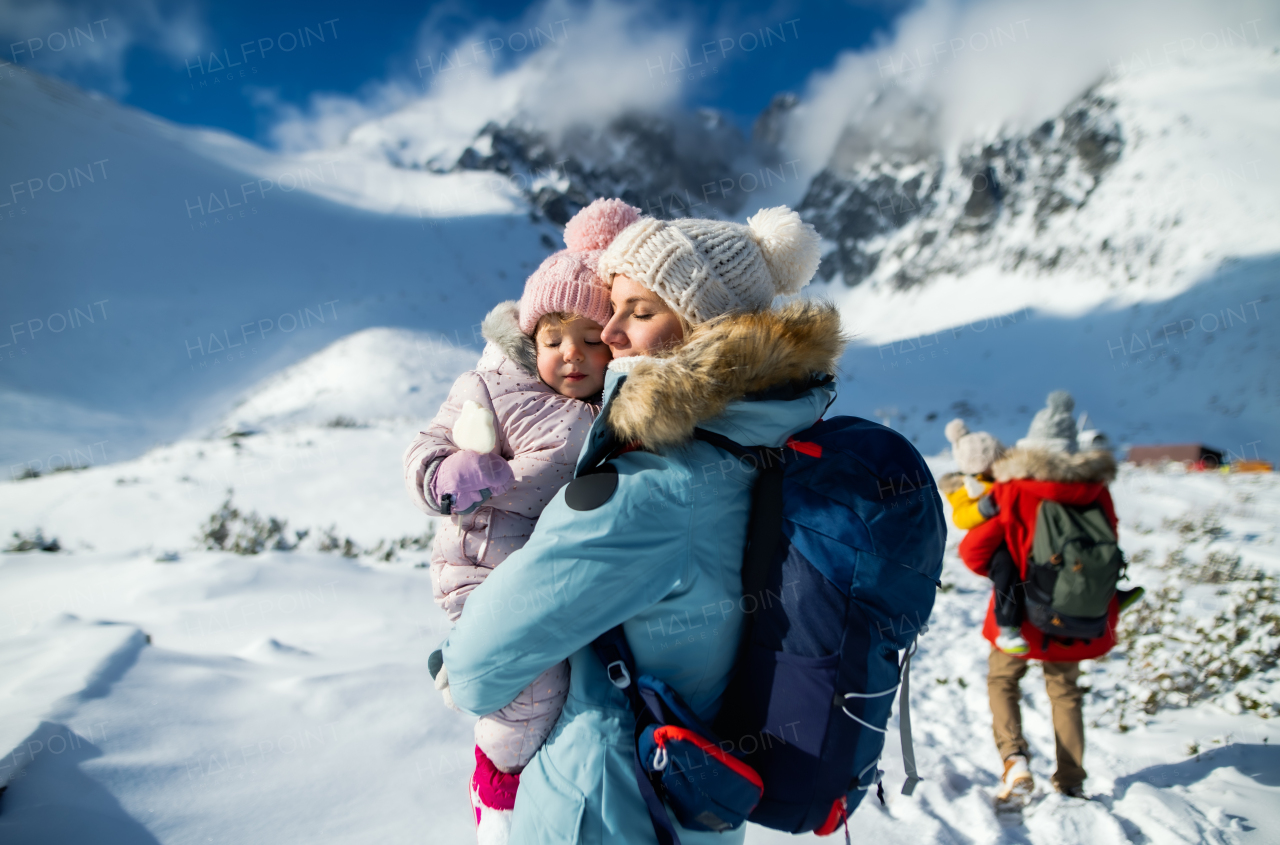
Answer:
(235, 65)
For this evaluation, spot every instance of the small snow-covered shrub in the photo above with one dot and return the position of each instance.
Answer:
(1219, 567)
(389, 550)
(246, 534)
(385, 551)
(33, 542)
(329, 542)
(342, 421)
(229, 529)
(1208, 528)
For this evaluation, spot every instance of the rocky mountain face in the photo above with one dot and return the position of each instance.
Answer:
(889, 203)
(900, 211)
(674, 164)
(1138, 180)
(657, 163)
(668, 165)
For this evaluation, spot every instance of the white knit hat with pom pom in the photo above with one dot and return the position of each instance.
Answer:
(706, 268)
(974, 451)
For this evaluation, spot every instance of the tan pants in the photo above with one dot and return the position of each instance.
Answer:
(1003, 676)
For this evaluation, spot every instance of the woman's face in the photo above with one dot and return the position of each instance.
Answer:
(642, 324)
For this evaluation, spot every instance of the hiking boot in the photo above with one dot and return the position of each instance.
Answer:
(1076, 791)
(1129, 597)
(1017, 783)
(1011, 641)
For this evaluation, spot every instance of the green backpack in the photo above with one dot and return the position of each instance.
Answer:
(1072, 574)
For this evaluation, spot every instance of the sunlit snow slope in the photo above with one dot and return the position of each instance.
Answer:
(139, 305)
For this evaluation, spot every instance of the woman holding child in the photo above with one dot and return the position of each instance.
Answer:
(695, 343)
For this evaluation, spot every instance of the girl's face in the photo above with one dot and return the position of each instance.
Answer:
(642, 324)
(571, 357)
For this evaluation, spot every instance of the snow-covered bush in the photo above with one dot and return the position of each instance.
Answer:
(246, 534)
(385, 551)
(393, 548)
(27, 543)
(1208, 528)
(342, 421)
(228, 529)
(330, 542)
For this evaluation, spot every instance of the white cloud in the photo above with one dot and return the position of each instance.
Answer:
(88, 41)
(955, 69)
(327, 119)
(557, 65)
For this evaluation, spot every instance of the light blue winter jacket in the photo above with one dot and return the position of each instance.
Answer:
(662, 556)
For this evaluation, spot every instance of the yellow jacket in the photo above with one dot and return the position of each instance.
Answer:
(964, 507)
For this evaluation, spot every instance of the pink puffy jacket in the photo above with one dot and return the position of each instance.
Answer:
(539, 432)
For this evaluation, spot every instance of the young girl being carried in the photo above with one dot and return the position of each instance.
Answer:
(968, 491)
(504, 442)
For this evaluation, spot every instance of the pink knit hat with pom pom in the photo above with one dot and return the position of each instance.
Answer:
(567, 281)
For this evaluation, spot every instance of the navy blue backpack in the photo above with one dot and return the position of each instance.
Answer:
(843, 559)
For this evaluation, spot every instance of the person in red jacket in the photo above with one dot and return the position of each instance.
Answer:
(1042, 466)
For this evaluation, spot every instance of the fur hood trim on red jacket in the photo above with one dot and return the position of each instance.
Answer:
(1095, 467)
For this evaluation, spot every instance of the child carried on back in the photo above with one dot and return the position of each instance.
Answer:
(502, 445)
(968, 491)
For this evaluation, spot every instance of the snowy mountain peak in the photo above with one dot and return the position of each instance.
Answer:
(659, 162)
(1151, 177)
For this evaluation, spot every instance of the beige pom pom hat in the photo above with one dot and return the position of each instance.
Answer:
(705, 268)
(974, 451)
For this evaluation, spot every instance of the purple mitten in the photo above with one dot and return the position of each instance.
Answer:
(465, 475)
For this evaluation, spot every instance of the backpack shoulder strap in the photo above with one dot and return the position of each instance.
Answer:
(613, 651)
(764, 525)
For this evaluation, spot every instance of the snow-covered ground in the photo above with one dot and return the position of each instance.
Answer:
(157, 691)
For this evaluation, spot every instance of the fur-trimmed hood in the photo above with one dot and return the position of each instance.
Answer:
(665, 399)
(1096, 467)
(501, 327)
